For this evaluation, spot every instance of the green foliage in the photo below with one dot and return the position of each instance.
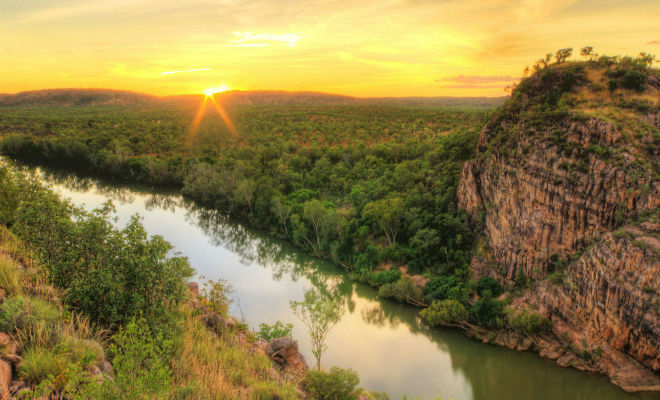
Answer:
(278, 329)
(635, 80)
(319, 312)
(522, 281)
(381, 278)
(388, 213)
(487, 311)
(488, 283)
(445, 312)
(215, 295)
(110, 274)
(443, 287)
(336, 384)
(527, 322)
(337, 181)
(403, 290)
(140, 360)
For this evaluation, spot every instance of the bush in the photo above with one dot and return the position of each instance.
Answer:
(634, 80)
(445, 312)
(528, 322)
(488, 312)
(612, 85)
(488, 283)
(111, 275)
(336, 384)
(402, 290)
(140, 360)
(380, 278)
(278, 329)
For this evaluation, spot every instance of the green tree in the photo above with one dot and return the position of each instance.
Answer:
(314, 213)
(446, 313)
(277, 330)
(319, 313)
(388, 214)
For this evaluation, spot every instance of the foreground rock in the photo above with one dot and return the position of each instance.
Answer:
(284, 352)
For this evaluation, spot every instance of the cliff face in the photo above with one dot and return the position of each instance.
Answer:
(574, 193)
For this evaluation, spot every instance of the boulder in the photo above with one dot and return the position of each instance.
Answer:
(5, 379)
(567, 360)
(552, 352)
(524, 344)
(4, 339)
(260, 346)
(284, 352)
(215, 322)
(12, 358)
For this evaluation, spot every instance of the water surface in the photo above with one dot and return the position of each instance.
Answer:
(385, 342)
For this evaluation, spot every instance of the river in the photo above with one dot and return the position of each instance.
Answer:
(385, 342)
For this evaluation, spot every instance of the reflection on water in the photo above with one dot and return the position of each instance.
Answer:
(385, 342)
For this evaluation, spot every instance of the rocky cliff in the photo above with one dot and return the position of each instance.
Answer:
(567, 187)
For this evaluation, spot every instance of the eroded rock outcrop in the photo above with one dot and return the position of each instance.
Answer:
(578, 197)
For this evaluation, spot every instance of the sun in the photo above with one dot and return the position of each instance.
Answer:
(213, 90)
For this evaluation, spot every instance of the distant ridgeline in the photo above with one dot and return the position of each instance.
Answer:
(107, 97)
(493, 218)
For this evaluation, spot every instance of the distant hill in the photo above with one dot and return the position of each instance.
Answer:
(108, 97)
(76, 97)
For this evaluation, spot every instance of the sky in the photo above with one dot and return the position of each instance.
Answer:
(359, 48)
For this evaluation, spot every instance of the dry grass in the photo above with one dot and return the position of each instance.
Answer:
(213, 367)
(10, 276)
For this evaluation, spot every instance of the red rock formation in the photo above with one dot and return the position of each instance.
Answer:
(563, 190)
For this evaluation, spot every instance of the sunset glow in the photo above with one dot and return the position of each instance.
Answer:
(360, 47)
(213, 90)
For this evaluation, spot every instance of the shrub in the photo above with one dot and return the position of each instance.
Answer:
(382, 277)
(111, 274)
(442, 287)
(488, 312)
(445, 312)
(488, 283)
(140, 360)
(634, 80)
(528, 322)
(402, 290)
(336, 384)
(278, 329)
(612, 85)
(216, 295)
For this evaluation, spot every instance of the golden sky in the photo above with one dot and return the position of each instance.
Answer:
(361, 48)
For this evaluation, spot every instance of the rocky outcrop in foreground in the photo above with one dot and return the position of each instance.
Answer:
(572, 204)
